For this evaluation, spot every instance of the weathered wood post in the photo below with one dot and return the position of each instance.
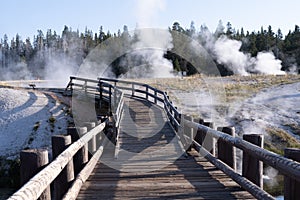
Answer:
(171, 114)
(165, 99)
(33, 161)
(181, 132)
(85, 86)
(291, 186)
(227, 152)
(209, 142)
(82, 156)
(177, 118)
(132, 89)
(197, 132)
(99, 137)
(188, 132)
(115, 97)
(253, 168)
(198, 135)
(111, 126)
(147, 91)
(155, 94)
(109, 99)
(100, 90)
(92, 143)
(63, 180)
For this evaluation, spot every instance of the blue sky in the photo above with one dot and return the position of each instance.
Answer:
(26, 17)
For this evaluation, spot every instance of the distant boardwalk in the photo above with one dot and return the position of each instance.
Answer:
(151, 170)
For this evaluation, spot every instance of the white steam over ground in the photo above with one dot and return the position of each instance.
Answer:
(16, 72)
(152, 51)
(227, 52)
(60, 69)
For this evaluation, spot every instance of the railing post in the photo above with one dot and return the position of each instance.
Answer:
(71, 85)
(33, 161)
(208, 141)
(81, 157)
(252, 168)
(115, 96)
(147, 90)
(227, 152)
(63, 181)
(170, 108)
(109, 98)
(85, 86)
(155, 94)
(92, 143)
(177, 119)
(291, 187)
(188, 132)
(132, 89)
(199, 136)
(100, 90)
(181, 131)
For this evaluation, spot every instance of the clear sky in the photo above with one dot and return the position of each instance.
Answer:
(25, 17)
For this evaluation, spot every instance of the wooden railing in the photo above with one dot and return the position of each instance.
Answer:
(201, 136)
(38, 184)
(192, 133)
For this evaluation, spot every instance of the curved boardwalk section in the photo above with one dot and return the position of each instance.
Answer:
(150, 163)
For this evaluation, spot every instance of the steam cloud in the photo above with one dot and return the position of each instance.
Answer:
(151, 44)
(152, 51)
(227, 52)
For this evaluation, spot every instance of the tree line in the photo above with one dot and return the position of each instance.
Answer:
(74, 46)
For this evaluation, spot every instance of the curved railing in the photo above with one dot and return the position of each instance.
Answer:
(184, 125)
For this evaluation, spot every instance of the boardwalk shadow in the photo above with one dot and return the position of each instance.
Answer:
(34, 130)
(31, 100)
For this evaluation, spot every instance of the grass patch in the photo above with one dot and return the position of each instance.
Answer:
(278, 140)
(9, 173)
(275, 189)
(236, 88)
(295, 128)
(52, 121)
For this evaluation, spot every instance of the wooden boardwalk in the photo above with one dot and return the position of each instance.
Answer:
(147, 166)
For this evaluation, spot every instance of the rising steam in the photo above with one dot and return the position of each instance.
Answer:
(227, 52)
(151, 44)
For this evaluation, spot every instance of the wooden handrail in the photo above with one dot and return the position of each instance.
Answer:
(256, 191)
(83, 176)
(85, 173)
(284, 165)
(37, 184)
